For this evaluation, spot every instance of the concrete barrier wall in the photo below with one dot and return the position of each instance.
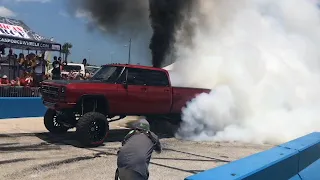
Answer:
(295, 160)
(19, 107)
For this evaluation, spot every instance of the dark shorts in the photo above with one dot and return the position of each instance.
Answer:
(128, 174)
(56, 76)
(38, 78)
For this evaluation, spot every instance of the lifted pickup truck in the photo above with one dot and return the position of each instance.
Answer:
(114, 90)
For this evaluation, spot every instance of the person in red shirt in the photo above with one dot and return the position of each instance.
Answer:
(4, 80)
(15, 82)
(23, 82)
(23, 79)
(28, 80)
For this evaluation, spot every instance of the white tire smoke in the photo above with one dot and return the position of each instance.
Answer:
(261, 58)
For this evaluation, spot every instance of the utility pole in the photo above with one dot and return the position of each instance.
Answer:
(111, 57)
(129, 60)
(89, 53)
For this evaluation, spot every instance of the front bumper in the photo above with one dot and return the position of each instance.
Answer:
(58, 105)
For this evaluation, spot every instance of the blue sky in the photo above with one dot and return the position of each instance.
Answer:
(50, 18)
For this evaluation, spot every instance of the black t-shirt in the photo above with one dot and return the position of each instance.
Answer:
(41, 66)
(56, 67)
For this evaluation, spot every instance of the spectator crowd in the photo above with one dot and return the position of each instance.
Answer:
(22, 70)
(30, 70)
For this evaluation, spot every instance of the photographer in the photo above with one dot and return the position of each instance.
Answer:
(135, 153)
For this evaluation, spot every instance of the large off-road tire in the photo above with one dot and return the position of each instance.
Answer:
(164, 126)
(50, 122)
(92, 129)
(175, 119)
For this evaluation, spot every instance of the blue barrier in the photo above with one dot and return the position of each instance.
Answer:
(294, 160)
(19, 107)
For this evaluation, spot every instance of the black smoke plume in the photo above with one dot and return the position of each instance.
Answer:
(115, 17)
(166, 17)
(129, 17)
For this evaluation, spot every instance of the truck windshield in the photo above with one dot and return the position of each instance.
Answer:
(107, 73)
(92, 69)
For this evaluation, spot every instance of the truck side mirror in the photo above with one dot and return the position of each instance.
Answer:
(125, 84)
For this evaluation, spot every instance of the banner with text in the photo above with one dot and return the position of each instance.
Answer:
(13, 31)
(16, 34)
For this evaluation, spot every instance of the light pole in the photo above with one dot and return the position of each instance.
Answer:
(89, 53)
(111, 57)
(129, 58)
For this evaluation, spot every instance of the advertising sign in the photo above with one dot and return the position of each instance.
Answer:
(24, 42)
(16, 34)
(13, 31)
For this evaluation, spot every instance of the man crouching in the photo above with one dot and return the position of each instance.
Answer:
(135, 153)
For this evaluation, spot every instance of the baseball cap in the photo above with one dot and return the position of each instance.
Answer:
(142, 124)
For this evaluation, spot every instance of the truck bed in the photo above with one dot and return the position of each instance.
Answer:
(181, 95)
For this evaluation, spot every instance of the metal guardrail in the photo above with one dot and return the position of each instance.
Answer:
(19, 91)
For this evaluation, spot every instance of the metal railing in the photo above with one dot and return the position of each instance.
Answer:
(19, 91)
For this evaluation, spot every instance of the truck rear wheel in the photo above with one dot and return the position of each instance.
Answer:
(51, 123)
(92, 129)
(162, 125)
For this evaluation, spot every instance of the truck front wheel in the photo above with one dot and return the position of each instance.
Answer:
(92, 129)
(51, 123)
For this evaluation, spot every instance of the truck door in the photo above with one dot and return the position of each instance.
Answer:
(159, 92)
(137, 92)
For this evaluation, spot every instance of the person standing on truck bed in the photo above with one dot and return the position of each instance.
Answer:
(56, 71)
(135, 153)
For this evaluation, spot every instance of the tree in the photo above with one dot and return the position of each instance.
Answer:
(66, 50)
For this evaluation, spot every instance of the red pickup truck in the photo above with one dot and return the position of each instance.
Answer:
(114, 90)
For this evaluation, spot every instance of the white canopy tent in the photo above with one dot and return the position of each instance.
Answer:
(17, 35)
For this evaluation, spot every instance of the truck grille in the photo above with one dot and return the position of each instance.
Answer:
(49, 92)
